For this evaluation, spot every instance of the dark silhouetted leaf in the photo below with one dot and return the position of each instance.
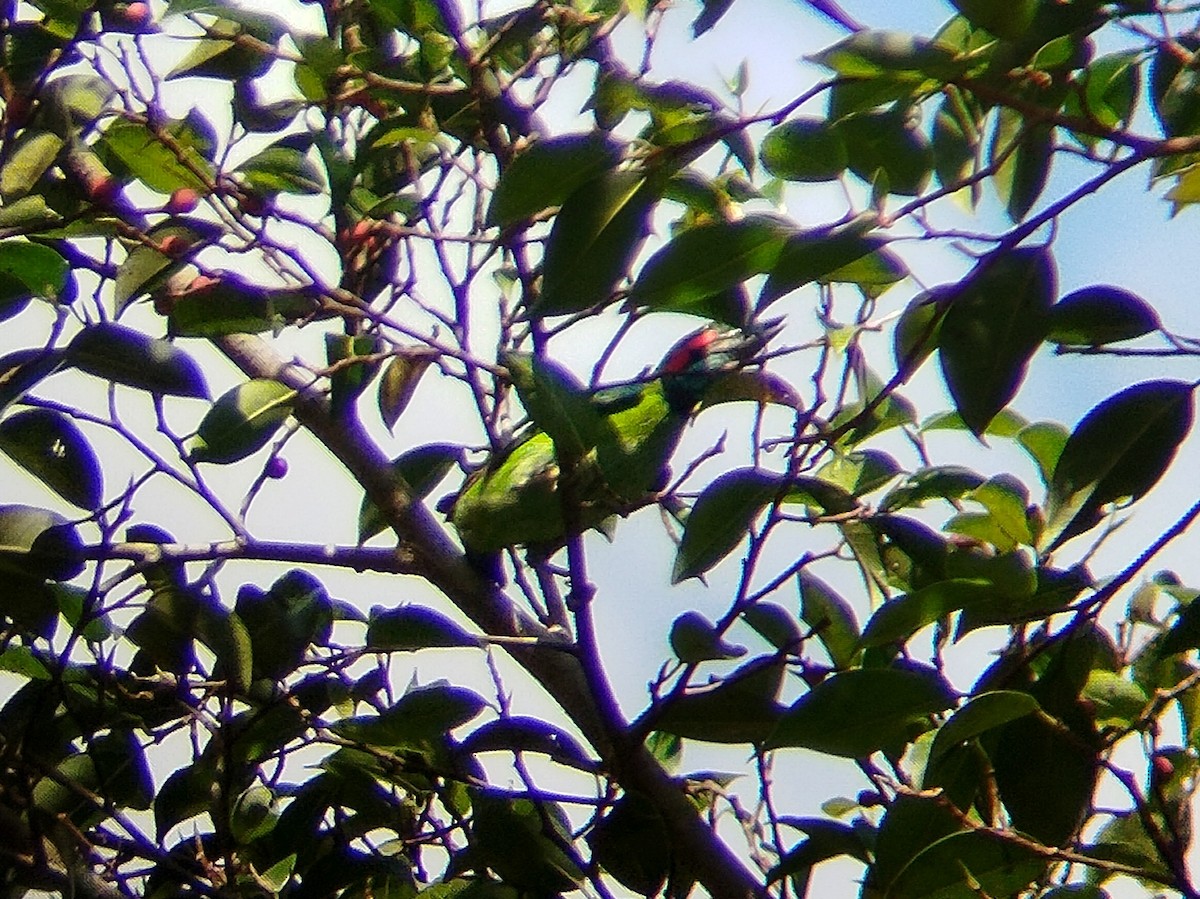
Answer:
(723, 515)
(548, 172)
(1003, 18)
(422, 468)
(694, 639)
(992, 329)
(593, 242)
(408, 628)
(855, 713)
(38, 543)
(706, 260)
(49, 446)
(1094, 316)
(979, 714)
(813, 255)
(740, 708)
(963, 865)
(1120, 449)
(830, 617)
(632, 843)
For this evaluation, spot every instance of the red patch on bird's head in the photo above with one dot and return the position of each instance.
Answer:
(689, 351)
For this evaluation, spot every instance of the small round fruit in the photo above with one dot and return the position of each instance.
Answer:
(103, 190)
(173, 245)
(277, 467)
(182, 201)
(135, 15)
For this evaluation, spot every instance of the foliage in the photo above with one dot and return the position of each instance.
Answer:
(183, 724)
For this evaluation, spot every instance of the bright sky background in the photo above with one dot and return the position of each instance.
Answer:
(1122, 237)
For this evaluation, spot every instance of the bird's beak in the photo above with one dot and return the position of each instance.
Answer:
(741, 345)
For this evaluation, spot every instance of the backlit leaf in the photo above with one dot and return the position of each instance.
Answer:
(242, 420)
(49, 446)
(117, 353)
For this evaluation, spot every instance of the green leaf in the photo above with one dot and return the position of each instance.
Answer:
(992, 329)
(408, 628)
(349, 378)
(31, 153)
(511, 838)
(830, 617)
(900, 618)
(518, 733)
(1044, 441)
(957, 132)
(220, 56)
(966, 865)
(694, 639)
(1005, 524)
(773, 623)
(134, 148)
(38, 543)
(593, 241)
(229, 304)
(117, 353)
(947, 482)
(740, 708)
(910, 824)
(813, 255)
(856, 713)
(980, 714)
(242, 420)
(422, 468)
(146, 269)
(281, 169)
(1120, 449)
(547, 173)
(1116, 701)
(30, 269)
(704, 261)
(422, 714)
(1022, 153)
(253, 814)
(1008, 19)
(870, 54)
(804, 149)
(1097, 315)
(723, 514)
(1111, 88)
(398, 382)
(49, 446)
(860, 472)
(889, 142)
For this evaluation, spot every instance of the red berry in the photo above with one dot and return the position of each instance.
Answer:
(135, 15)
(202, 282)
(362, 229)
(103, 190)
(277, 467)
(1163, 768)
(182, 201)
(172, 245)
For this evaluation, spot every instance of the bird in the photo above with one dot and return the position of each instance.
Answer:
(514, 497)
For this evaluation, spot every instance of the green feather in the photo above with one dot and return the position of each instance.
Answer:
(514, 499)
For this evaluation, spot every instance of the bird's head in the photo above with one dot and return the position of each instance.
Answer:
(697, 360)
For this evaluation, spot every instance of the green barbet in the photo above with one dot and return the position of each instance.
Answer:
(514, 498)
